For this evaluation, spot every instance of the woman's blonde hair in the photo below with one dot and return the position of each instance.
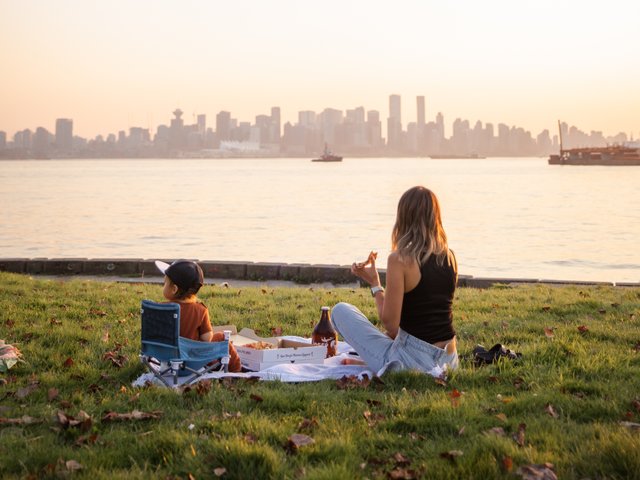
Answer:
(418, 231)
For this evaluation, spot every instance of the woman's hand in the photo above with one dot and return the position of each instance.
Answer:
(366, 271)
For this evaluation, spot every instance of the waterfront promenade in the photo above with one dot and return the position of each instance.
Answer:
(285, 274)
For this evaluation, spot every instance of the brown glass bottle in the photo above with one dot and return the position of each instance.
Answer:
(325, 334)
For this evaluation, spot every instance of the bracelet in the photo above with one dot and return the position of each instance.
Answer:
(376, 289)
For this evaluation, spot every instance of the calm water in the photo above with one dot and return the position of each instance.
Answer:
(504, 217)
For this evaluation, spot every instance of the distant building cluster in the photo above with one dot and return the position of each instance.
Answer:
(353, 132)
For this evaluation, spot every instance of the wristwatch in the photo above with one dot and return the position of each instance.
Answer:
(376, 289)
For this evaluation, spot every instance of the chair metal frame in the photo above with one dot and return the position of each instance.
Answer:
(166, 354)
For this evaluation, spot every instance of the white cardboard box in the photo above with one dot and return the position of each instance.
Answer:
(286, 351)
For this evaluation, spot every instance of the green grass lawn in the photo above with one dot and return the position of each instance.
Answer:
(572, 400)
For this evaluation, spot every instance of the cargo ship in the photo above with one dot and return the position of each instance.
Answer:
(615, 155)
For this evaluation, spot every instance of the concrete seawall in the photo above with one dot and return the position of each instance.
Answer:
(257, 271)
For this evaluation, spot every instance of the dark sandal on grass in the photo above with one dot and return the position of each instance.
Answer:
(483, 356)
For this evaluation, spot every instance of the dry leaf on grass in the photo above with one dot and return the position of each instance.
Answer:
(220, 471)
(307, 424)
(551, 411)
(297, 440)
(537, 472)
(451, 454)
(548, 331)
(24, 420)
(583, 329)
(518, 437)
(134, 415)
(455, 397)
(400, 473)
(82, 420)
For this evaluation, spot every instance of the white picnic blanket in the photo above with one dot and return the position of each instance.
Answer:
(332, 368)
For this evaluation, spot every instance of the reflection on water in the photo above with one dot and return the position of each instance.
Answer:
(504, 217)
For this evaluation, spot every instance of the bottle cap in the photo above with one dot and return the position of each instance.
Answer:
(325, 308)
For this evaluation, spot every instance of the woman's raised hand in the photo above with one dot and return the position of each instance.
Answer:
(366, 271)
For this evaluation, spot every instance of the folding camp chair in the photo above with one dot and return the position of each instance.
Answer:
(175, 356)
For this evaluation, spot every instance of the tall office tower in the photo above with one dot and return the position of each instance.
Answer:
(223, 126)
(202, 124)
(3, 139)
(177, 134)
(374, 129)
(41, 142)
(421, 118)
(64, 134)
(440, 125)
(307, 118)
(276, 125)
(394, 122)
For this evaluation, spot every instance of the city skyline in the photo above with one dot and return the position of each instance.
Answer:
(357, 132)
(110, 65)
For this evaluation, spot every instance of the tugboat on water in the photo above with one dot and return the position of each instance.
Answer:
(618, 155)
(327, 156)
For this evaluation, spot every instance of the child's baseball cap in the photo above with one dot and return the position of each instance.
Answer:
(186, 274)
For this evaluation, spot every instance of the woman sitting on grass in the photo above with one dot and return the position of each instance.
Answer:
(416, 307)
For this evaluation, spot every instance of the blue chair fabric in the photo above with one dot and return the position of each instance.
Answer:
(173, 355)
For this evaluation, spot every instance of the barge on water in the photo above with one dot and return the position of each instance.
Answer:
(612, 155)
(621, 155)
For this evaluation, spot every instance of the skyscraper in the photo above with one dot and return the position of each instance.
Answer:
(64, 134)
(275, 125)
(394, 123)
(420, 105)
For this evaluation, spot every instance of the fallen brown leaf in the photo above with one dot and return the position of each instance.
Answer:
(583, 329)
(400, 473)
(631, 425)
(518, 437)
(507, 464)
(400, 459)
(502, 417)
(134, 415)
(68, 362)
(537, 472)
(551, 411)
(451, 454)
(105, 336)
(548, 331)
(297, 440)
(455, 397)
(73, 466)
(52, 394)
(373, 418)
(203, 387)
(86, 440)
(307, 424)
(24, 420)
(220, 471)
(26, 391)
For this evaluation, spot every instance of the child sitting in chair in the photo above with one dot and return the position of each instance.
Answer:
(182, 281)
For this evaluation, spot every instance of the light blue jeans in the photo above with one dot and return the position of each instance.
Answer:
(378, 350)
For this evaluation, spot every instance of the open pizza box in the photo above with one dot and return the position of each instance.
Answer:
(284, 351)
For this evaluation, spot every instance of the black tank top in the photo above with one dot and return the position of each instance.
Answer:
(426, 310)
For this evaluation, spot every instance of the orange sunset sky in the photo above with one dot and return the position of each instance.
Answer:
(110, 65)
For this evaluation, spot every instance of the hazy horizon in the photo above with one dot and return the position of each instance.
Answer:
(113, 65)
